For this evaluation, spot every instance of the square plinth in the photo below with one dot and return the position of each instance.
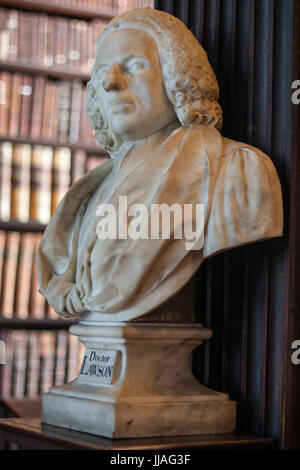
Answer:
(129, 420)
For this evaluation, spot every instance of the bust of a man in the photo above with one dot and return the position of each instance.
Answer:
(153, 102)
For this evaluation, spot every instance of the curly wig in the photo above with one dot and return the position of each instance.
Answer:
(189, 80)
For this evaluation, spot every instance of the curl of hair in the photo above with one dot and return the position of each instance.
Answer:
(188, 78)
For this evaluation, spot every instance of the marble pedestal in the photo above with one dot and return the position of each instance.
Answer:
(136, 381)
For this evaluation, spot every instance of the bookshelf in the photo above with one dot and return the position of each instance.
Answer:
(42, 119)
(90, 148)
(69, 11)
(66, 73)
(35, 324)
(16, 226)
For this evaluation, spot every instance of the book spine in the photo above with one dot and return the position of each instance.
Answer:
(33, 365)
(42, 38)
(37, 106)
(60, 54)
(10, 274)
(83, 45)
(35, 38)
(5, 179)
(90, 41)
(60, 356)
(20, 359)
(37, 301)
(4, 36)
(73, 52)
(95, 36)
(15, 105)
(64, 111)
(20, 182)
(47, 342)
(40, 193)
(24, 36)
(48, 58)
(75, 111)
(2, 257)
(56, 106)
(21, 35)
(24, 275)
(64, 48)
(26, 101)
(48, 109)
(13, 25)
(6, 386)
(5, 85)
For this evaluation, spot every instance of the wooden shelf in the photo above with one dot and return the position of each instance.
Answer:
(63, 72)
(52, 8)
(36, 323)
(17, 226)
(31, 434)
(89, 148)
(22, 407)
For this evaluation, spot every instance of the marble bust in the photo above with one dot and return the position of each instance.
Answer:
(153, 102)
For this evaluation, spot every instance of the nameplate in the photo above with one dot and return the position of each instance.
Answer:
(97, 366)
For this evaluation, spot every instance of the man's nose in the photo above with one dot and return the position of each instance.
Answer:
(114, 79)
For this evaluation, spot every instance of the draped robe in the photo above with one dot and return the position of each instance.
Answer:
(123, 279)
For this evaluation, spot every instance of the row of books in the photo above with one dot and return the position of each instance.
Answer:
(36, 360)
(33, 179)
(47, 40)
(100, 4)
(19, 289)
(125, 5)
(114, 6)
(38, 107)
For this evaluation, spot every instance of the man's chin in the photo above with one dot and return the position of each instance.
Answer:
(128, 130)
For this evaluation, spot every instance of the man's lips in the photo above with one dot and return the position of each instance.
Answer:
(115, 104)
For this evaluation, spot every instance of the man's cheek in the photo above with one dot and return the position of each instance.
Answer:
(147, 96)
(103, 106)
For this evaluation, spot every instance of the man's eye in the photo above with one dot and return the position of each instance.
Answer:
(134, 67)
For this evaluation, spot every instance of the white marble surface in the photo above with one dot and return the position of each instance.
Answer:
(152, 390)
(153, 104)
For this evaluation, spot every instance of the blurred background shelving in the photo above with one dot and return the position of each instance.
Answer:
(47, 49)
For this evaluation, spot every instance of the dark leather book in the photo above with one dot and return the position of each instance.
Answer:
(20, 191)
(37, 106)
(10, 274)
(40, 184)
(15, 105)
(26, 104)
(76, 102)
(5, 91)
(23, 283)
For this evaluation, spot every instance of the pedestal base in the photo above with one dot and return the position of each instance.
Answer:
(135, 381)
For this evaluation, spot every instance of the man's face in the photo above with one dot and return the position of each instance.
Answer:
(130, 85)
